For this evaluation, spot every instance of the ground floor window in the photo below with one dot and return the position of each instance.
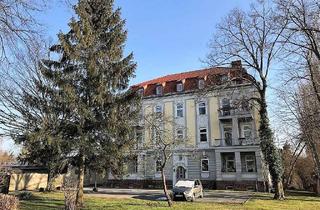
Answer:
(204, 165)
(248, 162)
(228, 162)
(158, 165)
(133, 165)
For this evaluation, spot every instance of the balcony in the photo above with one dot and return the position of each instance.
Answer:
(230, 111)
(233, 142)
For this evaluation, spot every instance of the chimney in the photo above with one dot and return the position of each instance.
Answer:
(236, 64)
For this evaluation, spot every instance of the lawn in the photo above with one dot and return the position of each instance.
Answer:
(44, 201)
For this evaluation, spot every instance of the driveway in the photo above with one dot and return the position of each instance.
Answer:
(217, 196)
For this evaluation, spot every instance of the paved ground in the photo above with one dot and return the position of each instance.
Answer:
(217, 196)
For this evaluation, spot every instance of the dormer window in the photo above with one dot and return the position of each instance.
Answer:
(159, 90)
(224, 78)
(140, 92)
(179, 87)
(201, 83)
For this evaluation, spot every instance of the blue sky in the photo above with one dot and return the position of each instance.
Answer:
(166, 36)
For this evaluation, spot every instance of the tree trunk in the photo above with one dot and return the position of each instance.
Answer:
(318, 186)
(279, 192)
(269, 149)
(50, 181)
(165, 188)
(79, 198)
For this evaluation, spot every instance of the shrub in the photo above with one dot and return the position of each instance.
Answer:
(8, 202)
(4, 182)
(24, 195)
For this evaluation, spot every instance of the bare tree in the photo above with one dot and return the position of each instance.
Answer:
(164, 143)
(302, 66)
(18, 26)
(309, 120)
(303, 38)
(254, 37)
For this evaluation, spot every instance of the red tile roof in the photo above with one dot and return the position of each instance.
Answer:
(190, 79)
(185, 75)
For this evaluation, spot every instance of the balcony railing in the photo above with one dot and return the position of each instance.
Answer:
(233, 142)
(231, 111)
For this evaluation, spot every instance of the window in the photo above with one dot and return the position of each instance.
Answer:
(179, 110)
(204, 165)
(179, 87)
(140, 92)
(133, 165)
(225, 103)
(201, 83)
(202, 108)
(180, 135)
(203, 135)
(180, 158)
(248, 162)
(139, 136)
(158, 109)
(159, 90)
(246, 131)
(224, 78)
(228, 162)
(228, 135)
(226, 106)
(158, 165)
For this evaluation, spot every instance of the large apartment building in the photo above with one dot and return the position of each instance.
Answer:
(208, 108)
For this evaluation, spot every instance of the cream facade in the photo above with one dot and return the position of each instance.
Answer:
(218, 126)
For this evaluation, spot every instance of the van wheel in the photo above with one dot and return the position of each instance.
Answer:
(201, 194)
(193, 198)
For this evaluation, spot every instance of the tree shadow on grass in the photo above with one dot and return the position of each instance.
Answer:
(290, 196)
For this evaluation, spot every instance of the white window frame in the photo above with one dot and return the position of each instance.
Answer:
(246, 160)
(201, 83)
(141, 91)
(156, 109)
(138, 133)
(200, 132)
(181, 109)
(243, 130)
(159, 90)
(227, 129)
(224, 78)
(205, 108)
(205, 159)
(156, 165)
(177, 135)
(179, 87)
(234, 164)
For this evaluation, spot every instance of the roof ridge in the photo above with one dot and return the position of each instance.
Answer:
(176, 74)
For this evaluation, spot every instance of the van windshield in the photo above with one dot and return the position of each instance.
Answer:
(184, 183)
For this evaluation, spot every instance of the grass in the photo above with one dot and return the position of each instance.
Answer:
(46, 201)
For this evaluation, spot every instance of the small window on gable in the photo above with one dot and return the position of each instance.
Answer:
(179, 110)
(204, 165)
(203, 135)
(201, 83)
(159, 90)
(179, 87)
(202, 108)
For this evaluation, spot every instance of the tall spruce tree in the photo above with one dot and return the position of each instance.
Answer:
(92, 75)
